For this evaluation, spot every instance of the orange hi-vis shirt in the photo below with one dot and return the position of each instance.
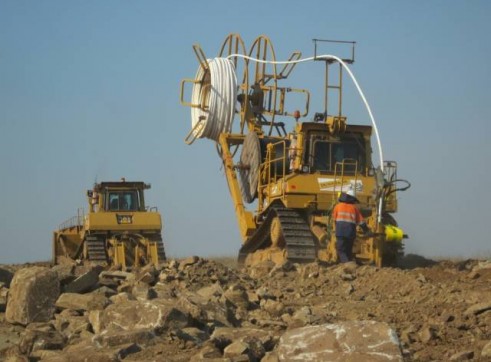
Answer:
(347, 217)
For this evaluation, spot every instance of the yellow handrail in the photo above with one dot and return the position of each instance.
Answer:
(266, 179)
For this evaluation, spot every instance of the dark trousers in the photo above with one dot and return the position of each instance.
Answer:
(344, 247)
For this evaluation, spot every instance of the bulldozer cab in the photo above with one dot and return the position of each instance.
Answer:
(118, 196)
(318, 150)
(324, 153)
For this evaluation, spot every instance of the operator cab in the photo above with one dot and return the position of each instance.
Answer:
(119, 196)
(344, 153)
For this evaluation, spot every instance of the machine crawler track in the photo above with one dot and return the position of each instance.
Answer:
(161, 250)
(299, 241)
(96, 249)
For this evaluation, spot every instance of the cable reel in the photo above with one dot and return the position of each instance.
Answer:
(263, 95)
(234, 44)
(213, 97)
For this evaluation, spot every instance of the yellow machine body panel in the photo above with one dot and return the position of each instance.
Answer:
(123, 221)
(316, 190)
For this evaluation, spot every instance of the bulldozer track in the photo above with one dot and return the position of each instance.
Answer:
(96, 249)
(299, 241)
(160, 250)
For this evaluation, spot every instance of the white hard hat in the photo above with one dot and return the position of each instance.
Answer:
(351, 193)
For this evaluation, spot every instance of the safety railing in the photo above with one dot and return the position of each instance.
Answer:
(271, 170)
(76, 221)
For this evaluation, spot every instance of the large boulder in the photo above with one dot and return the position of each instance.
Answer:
(32, 296)
(205, 311)
(345, 341)
(82, 302)
(135, 314)
(84, 283)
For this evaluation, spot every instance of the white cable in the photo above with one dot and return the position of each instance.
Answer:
(219, 104)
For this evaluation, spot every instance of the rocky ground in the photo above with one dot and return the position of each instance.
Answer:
(201, 310)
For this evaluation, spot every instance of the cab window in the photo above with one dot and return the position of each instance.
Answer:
(123, 201)
(322, 161)
(326, 154)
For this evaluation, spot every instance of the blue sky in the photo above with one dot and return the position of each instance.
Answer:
(90, 90)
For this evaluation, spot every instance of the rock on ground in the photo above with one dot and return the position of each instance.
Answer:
(32, 296)
(82, 302)
(201, 310)
(345, 341)
(133, 314)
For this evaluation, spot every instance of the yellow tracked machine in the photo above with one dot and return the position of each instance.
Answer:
(291, 166)
(119, 228)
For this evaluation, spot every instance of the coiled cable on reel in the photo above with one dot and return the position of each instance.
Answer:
(214, 95)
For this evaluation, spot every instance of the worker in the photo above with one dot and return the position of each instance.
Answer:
(347, 216)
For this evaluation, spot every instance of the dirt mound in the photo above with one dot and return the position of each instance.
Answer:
(198, 309)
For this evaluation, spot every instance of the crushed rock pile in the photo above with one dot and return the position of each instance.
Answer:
(200, 310)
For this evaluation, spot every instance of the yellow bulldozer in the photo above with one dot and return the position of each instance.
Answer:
(119, 228)
(289, 165)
